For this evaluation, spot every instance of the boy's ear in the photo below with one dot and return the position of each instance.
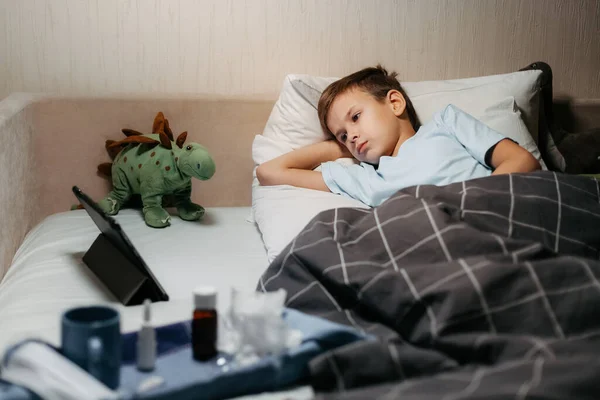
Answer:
(397, 102)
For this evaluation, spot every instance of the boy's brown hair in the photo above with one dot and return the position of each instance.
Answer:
(373, 80)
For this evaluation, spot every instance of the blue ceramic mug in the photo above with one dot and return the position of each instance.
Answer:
(91, 338)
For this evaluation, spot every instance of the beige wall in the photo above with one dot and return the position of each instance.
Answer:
(247, 47)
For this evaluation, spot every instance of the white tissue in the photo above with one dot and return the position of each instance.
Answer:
(254, 326)
(51, 376)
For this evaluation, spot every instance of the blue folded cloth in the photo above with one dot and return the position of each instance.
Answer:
(8, 391)
(185, 378)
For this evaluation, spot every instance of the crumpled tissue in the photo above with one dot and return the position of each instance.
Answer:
(254, 327)
(44, 371)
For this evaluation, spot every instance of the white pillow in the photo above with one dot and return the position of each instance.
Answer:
(294, 122)
(281, 212)
(505, 118)
(294, 118)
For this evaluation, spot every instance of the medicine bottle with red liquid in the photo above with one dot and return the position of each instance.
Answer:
(204, 323)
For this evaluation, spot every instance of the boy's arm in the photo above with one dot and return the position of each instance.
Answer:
(488, 146)
(508, 157)
(296, 167)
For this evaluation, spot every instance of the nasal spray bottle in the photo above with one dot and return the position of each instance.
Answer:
(146, 342)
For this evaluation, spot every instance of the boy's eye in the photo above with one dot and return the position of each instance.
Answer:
(355, 117)
(343, 137)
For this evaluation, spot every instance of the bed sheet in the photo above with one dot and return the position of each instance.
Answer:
(48, 274)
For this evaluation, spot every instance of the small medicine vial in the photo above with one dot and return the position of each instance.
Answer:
(204, 323)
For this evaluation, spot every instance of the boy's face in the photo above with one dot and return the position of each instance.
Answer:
(369, 128)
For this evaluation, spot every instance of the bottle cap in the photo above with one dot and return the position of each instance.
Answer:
(147, 303)
(205, 298)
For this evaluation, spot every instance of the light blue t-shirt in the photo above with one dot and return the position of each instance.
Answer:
(450, 148)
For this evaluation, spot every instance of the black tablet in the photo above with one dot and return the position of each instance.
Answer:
(114, 259)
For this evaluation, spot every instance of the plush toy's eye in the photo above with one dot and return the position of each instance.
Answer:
(188, 147)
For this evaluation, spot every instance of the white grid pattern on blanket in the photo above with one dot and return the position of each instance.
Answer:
(559, 216)
(557, 329)
(477, 287)
(439, 236)
(539, 345)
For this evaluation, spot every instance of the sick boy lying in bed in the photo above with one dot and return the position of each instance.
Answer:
(372, 119)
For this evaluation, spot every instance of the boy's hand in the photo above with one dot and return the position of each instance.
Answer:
(344, 150)
(508, 157)
(296, 167)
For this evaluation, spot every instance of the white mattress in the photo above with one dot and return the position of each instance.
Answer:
(48, 275)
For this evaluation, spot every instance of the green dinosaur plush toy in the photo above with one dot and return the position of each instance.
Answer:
(152, 166)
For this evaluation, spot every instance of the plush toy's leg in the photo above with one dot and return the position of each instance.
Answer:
(113, 202)
(154, 215)
(187, 210)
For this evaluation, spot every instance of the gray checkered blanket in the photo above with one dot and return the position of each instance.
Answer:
(483, 289)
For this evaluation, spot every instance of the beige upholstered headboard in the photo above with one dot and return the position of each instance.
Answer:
(70, 135)
(51, 143)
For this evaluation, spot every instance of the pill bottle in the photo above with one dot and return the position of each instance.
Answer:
(204, 323)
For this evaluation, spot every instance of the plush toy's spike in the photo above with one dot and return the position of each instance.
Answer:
(105, 169)
(132, 139)
(130, 132)
(181, 139)
(164, 140)
(112, 151)
(168, 130)
(159, 123)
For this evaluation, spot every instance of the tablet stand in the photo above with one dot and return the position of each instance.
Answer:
(122, 277)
